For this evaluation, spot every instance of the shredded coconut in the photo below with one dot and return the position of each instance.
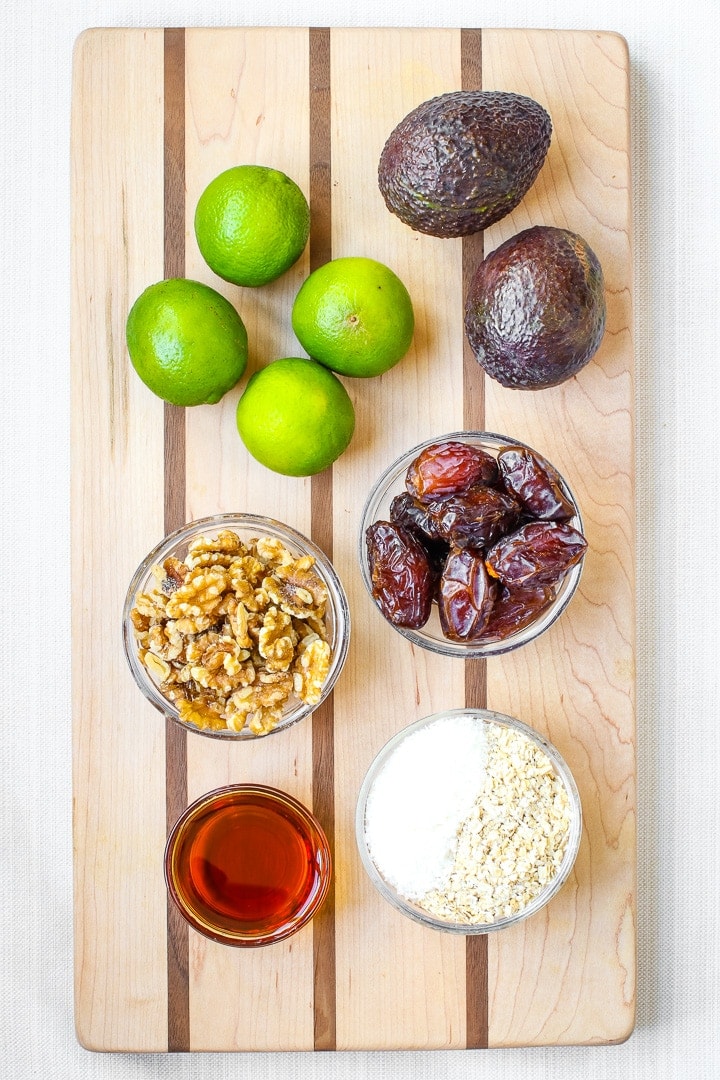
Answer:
(419, 799)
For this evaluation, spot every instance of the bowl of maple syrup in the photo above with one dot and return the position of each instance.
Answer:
(247, 865)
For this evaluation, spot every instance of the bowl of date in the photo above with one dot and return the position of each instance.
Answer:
(471, 544)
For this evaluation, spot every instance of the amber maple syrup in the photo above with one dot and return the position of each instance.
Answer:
(247, 865)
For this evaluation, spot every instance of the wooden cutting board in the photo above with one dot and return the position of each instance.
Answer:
(156, 114)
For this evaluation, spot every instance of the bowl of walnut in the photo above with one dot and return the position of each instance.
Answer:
(471, 544)
(236, 626)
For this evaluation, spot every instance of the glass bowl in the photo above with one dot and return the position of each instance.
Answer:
(430, 636)
(247, 865)
(247, 527)
(488, 879)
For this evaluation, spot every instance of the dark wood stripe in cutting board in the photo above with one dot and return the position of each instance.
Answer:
(178, 1020)
(321, 511)
(476, 948)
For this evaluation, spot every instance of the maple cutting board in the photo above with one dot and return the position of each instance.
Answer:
(156, 114)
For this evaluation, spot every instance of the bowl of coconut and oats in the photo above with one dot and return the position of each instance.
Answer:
(236, 626)
(468, 821)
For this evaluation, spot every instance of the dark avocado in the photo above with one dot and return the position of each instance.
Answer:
(463, 160)
(535, 309)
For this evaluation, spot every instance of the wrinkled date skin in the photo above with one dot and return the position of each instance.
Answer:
(447, 468)
(539, 553)
(535, 484)
(403, 582)
(476, 518)
(467, 594)
(514, 609)
(405, 511)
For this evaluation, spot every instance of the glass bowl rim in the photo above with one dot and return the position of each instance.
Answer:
(411, 909)
(298, 808)
(457, 649)
(337, 598)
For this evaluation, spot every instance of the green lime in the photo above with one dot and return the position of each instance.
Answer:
(186, 342)
(295, 417)
(355, 316)
(251, 223)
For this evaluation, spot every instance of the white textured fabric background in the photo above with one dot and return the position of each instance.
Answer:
(676, 164)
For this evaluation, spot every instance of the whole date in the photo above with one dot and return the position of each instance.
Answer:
(534, 483)
(402, 579)
(539, 553)
(466, 596)
(447, 468)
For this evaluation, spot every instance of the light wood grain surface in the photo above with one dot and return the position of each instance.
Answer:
(319, 105)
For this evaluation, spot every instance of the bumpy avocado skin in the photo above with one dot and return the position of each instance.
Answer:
(535, 310)
(463, 160)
